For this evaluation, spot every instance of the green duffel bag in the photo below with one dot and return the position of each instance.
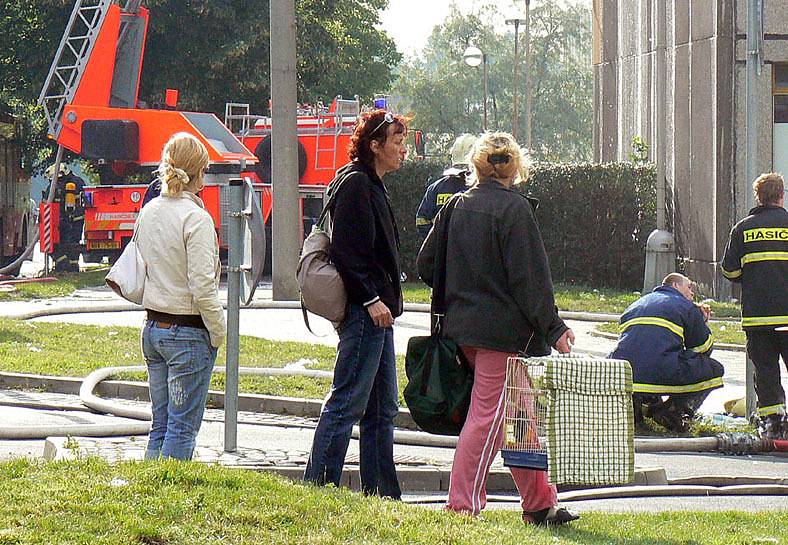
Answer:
(439, 386)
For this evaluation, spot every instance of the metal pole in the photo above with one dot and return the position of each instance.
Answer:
(753, 60)
(516, 93)
(234, 256)
(528, 75)
(484, 63)
(660, 88)
(284, 164)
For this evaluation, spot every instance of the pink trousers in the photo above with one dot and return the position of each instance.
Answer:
(481, 439)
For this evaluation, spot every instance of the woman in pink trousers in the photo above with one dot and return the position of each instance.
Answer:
(499, 303)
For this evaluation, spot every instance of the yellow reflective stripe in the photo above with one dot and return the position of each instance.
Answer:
(423, 221)
(771, 409)
(731, 274)
(705, 346)
(685, 389)
(764, 256)
(653, 320)
(441, 198)
(765, 234)
(764, 320)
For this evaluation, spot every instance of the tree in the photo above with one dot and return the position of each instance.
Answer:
(446, 95)
(216, 51)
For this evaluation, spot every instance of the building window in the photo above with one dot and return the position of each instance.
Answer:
(780, 80)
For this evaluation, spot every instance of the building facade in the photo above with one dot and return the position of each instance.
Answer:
(705, 110)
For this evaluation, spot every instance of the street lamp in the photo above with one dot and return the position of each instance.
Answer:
(516, 22)
(473, 57)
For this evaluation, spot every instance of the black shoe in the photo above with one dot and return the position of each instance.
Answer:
(773, 426)
(550, 516)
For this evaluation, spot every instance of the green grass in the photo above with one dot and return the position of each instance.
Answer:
(75, 350)
(65, 285)
(724, 332)
(168, 503)
(576, 298)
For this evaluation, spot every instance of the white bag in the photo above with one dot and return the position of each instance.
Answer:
(127, 275)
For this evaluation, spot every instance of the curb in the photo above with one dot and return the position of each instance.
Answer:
(719, 346)
(412, 479)
(138, 391)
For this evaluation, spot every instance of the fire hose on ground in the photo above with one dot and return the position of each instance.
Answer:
(728, 443)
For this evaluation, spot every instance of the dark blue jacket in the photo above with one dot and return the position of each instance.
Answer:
(668, 344)
(438, 192)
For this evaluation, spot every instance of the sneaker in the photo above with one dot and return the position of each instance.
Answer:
(550, 516)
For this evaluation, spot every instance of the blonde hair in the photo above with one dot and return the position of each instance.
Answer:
(768, 188)
(497, 155)
(182, 165)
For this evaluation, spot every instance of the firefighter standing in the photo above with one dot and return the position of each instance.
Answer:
(665, 338)
(757, 256)
(453, 181)
(68, 194)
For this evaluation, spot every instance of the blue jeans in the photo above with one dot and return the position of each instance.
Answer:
(180, 361)
(365, 390)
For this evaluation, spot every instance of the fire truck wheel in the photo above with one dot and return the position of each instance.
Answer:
(263, 166)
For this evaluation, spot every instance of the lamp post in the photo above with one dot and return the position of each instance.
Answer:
(516, 121)
(473, 57)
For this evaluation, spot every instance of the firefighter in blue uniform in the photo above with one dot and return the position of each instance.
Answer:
(665, 338)
(68, 194)
(453, 181)
(757, 257)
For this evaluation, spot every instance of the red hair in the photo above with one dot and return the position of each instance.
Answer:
(372, 126)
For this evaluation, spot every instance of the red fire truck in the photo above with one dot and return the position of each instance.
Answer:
(323, 137)
(16, 210)
(90, 99)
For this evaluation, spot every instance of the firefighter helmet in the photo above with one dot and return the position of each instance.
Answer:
(64, 170)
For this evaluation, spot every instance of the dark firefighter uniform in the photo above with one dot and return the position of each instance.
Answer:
(68, 194)
(664, 337)
(453, 181)
(757, 256)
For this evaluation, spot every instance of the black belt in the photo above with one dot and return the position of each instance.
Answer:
(165, 320)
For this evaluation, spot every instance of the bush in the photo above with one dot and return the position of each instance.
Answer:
(406, 187)
(594, 219)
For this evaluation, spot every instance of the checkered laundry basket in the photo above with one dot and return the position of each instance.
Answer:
(571, 416)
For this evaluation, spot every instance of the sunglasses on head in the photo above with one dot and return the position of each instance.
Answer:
(387, 119)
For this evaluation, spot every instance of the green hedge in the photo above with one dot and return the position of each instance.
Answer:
(594, 219)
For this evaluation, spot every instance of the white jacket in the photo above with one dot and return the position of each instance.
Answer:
(177, 240)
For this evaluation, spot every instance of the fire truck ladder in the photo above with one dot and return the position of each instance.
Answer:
(71, 59)
(344, 108)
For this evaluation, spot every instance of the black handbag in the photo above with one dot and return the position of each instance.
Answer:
(440, 380)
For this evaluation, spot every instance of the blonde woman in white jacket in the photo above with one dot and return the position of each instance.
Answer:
(185, 322)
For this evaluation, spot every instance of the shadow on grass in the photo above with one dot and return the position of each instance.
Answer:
(10, 336)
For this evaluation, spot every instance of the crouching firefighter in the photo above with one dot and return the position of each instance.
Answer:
(665, 338)
(68, 194)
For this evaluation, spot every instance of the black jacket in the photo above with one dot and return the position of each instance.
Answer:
(757, 256)
(439, 191)
(499, 294)
(364, 240)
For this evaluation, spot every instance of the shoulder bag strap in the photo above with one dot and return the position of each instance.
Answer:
(331, 198)
(438, 306)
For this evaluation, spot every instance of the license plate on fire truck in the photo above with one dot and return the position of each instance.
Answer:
(105, 245)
